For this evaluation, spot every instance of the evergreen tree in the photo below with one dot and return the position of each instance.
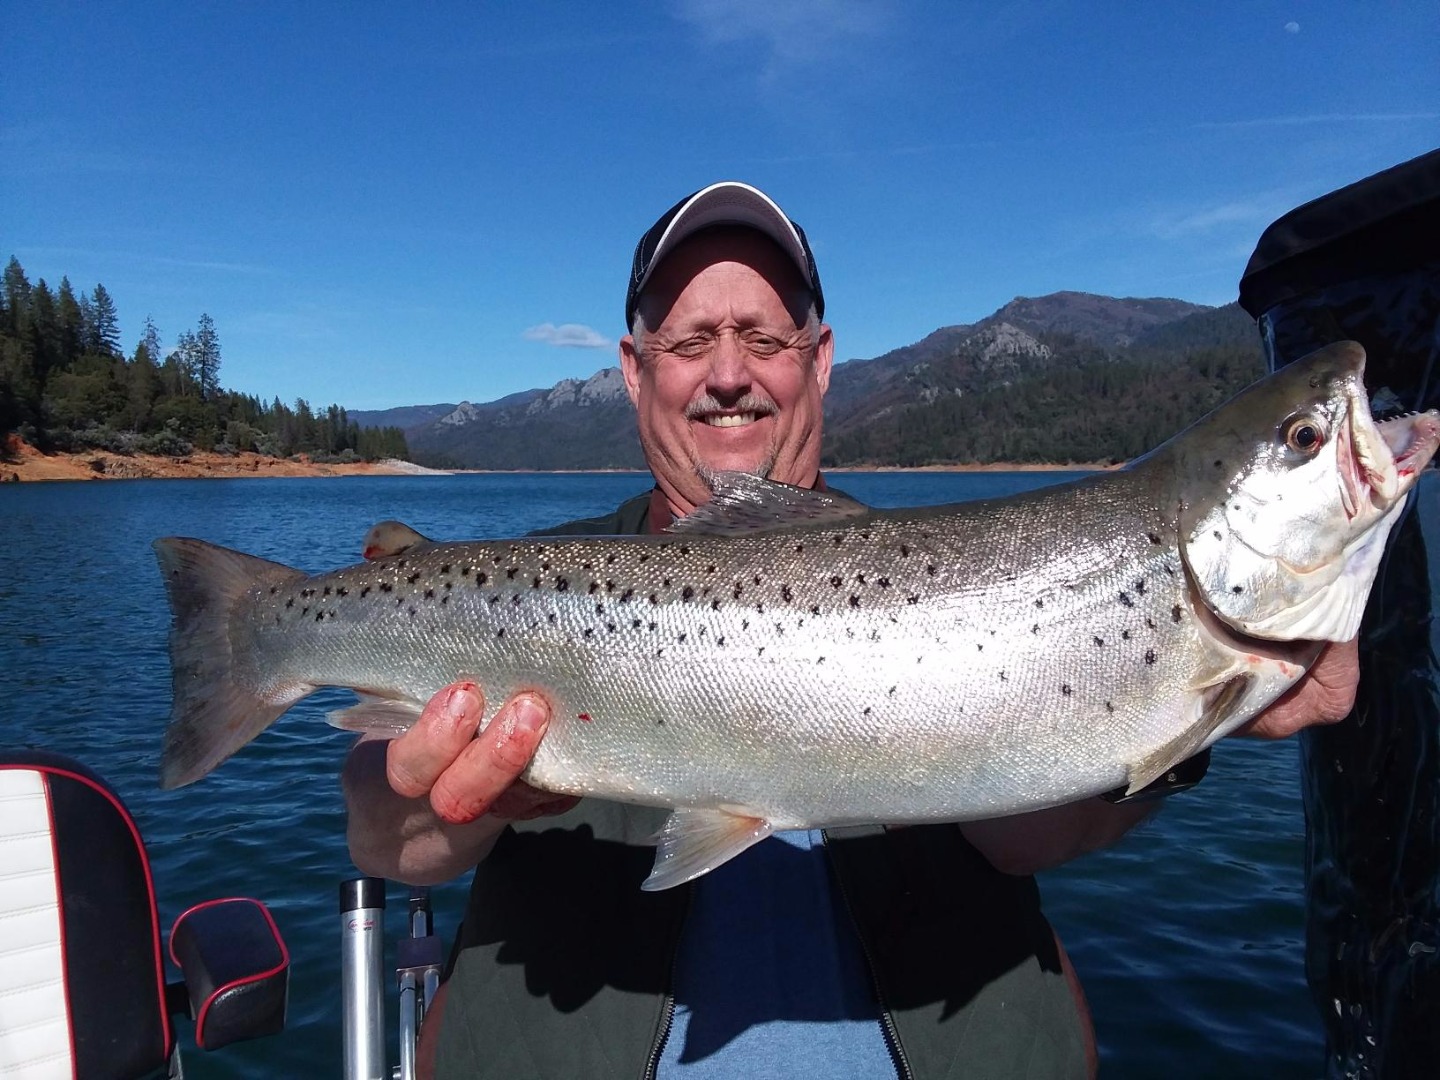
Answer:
(207, 358)
(104, 323)
(71, 320)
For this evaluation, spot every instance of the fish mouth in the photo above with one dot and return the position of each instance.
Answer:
(1379, 460)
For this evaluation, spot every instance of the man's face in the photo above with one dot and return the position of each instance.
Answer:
(729, 372)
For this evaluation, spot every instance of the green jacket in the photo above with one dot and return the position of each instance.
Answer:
(562, 967)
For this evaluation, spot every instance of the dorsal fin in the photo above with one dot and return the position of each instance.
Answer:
(742, 504)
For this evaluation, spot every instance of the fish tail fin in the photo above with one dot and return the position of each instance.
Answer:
(216, 710)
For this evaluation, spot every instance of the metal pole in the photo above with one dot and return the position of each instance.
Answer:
(418, 968)
(362, 960)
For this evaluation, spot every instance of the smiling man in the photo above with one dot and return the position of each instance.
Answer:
(864, 952)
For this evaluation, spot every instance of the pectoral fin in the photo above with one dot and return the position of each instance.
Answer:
(1213, 705)
(694, 842)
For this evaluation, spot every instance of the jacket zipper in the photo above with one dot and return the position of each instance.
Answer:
(667, 1003)
(887, 1022)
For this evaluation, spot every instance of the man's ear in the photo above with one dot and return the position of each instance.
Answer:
(824, 357)
(630, 368)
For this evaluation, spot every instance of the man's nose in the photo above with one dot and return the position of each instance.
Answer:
(729, 370)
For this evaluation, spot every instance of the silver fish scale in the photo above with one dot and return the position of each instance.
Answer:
(917, 665)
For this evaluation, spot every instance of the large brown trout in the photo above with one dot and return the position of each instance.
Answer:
(791, 659)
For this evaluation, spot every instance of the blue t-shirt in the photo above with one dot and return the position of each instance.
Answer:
(770, 980)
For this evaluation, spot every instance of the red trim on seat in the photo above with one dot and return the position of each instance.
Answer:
(257, 977)
(168, 1034)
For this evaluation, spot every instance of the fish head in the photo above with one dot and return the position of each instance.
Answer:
(1288, 494)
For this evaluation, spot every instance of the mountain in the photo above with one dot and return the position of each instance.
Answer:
(1068, 376)
(405, 416)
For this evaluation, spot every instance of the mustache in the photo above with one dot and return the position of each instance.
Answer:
(750, 403)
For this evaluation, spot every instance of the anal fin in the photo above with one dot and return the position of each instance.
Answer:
(377, 715)
(694, 842)
(1215, 704)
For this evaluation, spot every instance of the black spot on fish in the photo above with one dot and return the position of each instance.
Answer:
(760, 609)
(1152, 538)
(930, 569)
(860, 578)
(1124, 635)
(587, 565)
(386, 587)
(610, 626)
(1218, 463)
(904, 551)
(1109, 707)
(1217, 535)
(654, 598)
(710, 569)
(720, 640)
(429, 594)
(652, 626)
(665, 583)
(562, 584)
(305, 611)
(319, 616)
(1099, 641)
(445, 599)
(535, 582)
(274, 589)
(594, 588)
(680, 640)
(839, 540)
(290, 602)
(599, 609)
(1039, 603)
(510, 574)
(342, 591)
(738, 591)
(1237, 589)
(814, 609)
(500, 633)
(892, 692)
(1003, 677)
(867, 711)
(1125, 600)
(624, 596)
(1149, 623)
(364, 592)
(757, 579)
(588, 631)
(634, 624)
(445, 568)
(883, 582)
(1035, 629)
(786, 594)
(1175, 613)
(1140, 586)
(684, 549)
(412, 612)
(609, 559)
(550, 618)
(835, 581)
(979, 647)
(913, 598)
(686, 593)
(644, 556)
(413, 577)
(481, 577)
(1149, 656)
(1065, 689)
(714, 605)
(854, 600)
(515, 599)
(744, 624)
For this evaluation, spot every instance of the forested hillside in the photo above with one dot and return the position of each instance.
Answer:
(66, 384)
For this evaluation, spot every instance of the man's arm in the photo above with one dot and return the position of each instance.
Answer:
(1029, 843)
(430, 804)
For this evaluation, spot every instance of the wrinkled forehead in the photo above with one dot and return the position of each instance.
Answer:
(734, 258)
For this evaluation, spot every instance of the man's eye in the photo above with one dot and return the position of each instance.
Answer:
(763, 344)
(694, 346)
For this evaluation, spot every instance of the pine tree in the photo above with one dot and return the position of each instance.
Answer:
(71, 322)
(207, 358)
(104, 323)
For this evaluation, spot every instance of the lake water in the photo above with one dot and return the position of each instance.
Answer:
(1187, 936)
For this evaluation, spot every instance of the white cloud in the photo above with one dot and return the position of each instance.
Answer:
(789, 31)
(569, 335)
(1292, 27)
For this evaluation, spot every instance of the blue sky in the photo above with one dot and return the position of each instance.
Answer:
(400, 204)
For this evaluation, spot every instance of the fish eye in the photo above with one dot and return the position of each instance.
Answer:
(1304, 434)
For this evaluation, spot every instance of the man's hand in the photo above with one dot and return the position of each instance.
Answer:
(430, 804)
(1324, 696)
(465, 776)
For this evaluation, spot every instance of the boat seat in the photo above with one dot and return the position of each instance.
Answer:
(83, 992)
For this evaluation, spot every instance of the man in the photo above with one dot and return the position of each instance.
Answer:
(862, 952)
